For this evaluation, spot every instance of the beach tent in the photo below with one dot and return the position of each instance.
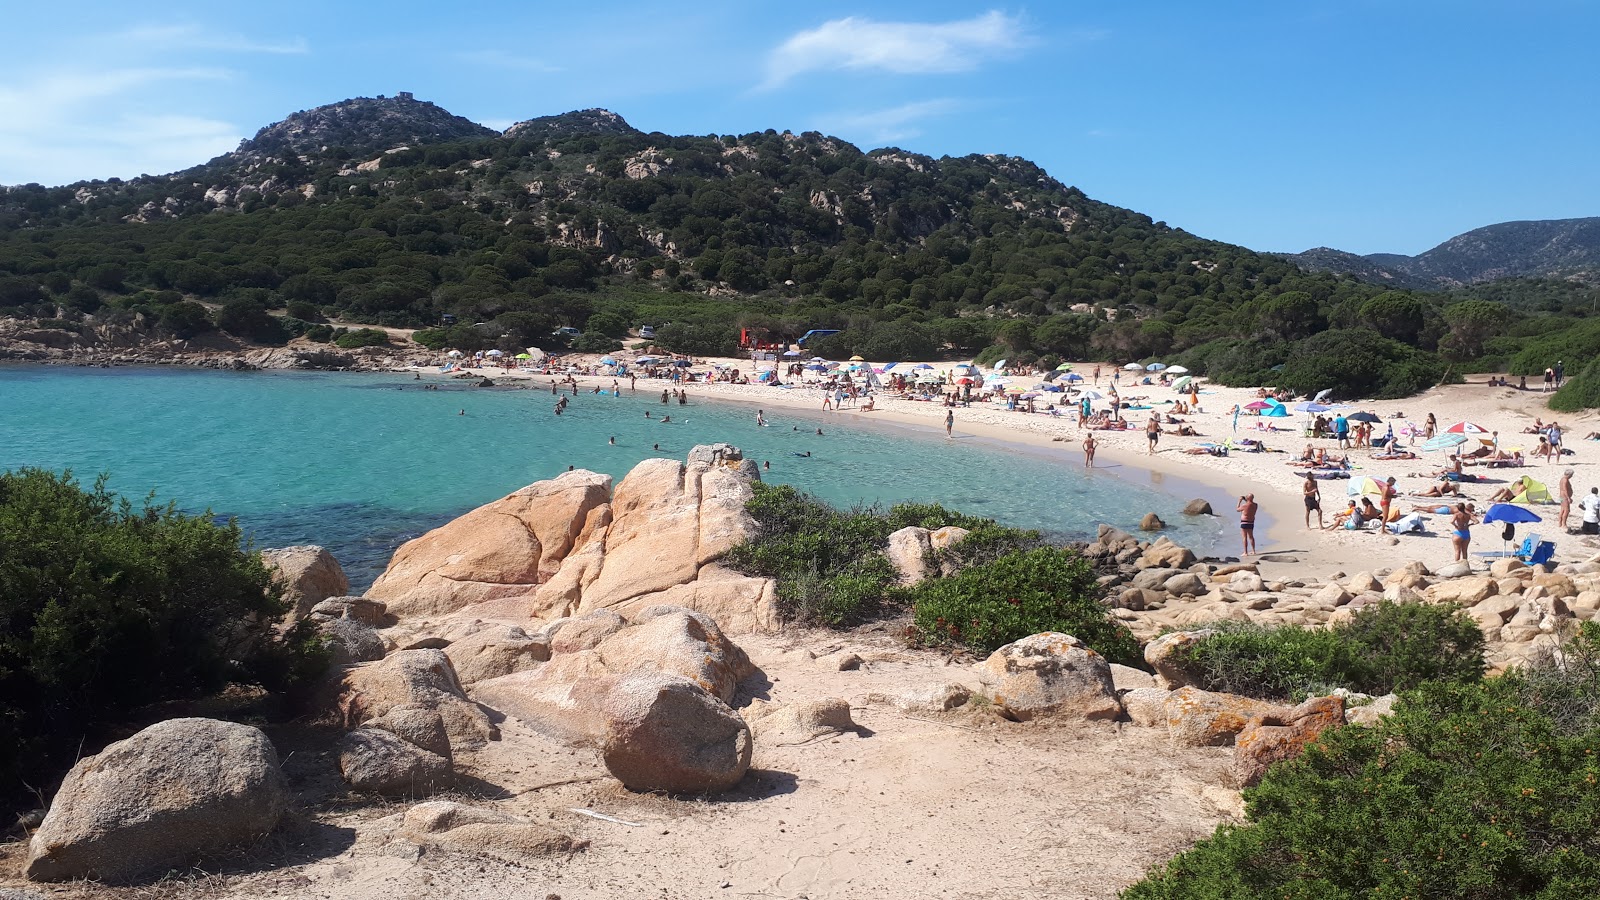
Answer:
(1532, 492)
(1275, 411)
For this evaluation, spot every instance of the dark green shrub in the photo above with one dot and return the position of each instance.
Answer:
(1384, 648)
(1357, 364)
(304, 311)
(1579, 393)
(105, 607)
(362, 337)
(321, 334)
(248, 319)
(595, 342)
(1017, 594)
(432, 338)
(1468, 791)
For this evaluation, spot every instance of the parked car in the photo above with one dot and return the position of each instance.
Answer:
(647, 332)
(567, 331)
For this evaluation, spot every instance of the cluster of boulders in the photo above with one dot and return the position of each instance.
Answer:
(1156, 586)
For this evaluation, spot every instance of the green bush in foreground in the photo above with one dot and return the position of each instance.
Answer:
(1476, 790)
(105, 608)
(1384, 648)
(1017, 594)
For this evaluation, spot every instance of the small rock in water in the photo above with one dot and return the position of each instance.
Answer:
(1151, 522)
(1198, 507)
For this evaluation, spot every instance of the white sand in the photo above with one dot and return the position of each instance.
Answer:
(1222, 480)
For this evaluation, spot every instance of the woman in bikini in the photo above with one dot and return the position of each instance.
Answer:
(1460, 533)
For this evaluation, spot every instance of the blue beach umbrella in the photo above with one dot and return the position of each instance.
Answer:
(1313, 407)
(1510, 512)
(1074, 377)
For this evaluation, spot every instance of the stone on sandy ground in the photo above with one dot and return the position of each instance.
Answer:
(416, 725)
(933, 698)
(584, 632)
(1164, 655)
(380, 762)
(483, 832)
(1127, 678)
(1197, 718)
(422, 678)
(667, 733)
(1146, 706)
(669, 639)
(908, 551)
(1185, 583)
(1273, 737)
(789, 724)
(309, 575)
(560, 699)
(164, 796)
(1049, 674)
(494, 651)
(1465, 591)
(1455, 569)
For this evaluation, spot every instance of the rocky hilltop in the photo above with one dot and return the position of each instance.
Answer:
(1551, 248)
(361, 125)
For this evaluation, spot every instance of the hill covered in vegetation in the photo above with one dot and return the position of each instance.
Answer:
(395, 212)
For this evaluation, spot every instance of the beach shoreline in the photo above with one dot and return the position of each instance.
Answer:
(1286, 546)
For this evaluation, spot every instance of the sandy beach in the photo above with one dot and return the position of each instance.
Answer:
(1221, 480)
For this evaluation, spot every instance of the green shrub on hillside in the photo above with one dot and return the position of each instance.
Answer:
(1384, 648)
(1017, 594)
(362, 337)
(106, 607)
(1579, 393)
(1470, 790)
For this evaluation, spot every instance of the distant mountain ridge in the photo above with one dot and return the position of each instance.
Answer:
(1548, 248)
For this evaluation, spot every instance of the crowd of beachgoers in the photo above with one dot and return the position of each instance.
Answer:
(1331, 475)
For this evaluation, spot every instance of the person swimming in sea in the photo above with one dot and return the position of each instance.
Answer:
(805, 454)
(666, 420)
(613, 440)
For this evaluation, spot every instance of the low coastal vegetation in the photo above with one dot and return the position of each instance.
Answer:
(1472, 788)
(1383, 648)
(1003, 584)
(107, 607)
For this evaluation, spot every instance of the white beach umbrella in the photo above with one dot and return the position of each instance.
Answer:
(454, 354)
(1133, 367)
(494, 353)
(1177, 370)
(1092, 395)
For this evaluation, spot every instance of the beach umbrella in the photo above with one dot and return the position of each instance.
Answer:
(647, 360)
(1467, 428)
(1000, 364)
(494, 353)
(1361, 487)
(857, 359)
(1092, 395)
(1177, 370)
(1073, 377)
(1258, 405)
(1312, 407)
(524, 356)
(1322, 395)
(1030, 395)
(1444, 442)
(1509, 512)
(1183, 382)
(1052, 388)
(607, 361)
(682, 363)
(966, 381)
(919, 367)
(1064, 367)
(1363, 417)
(1155, 367)
(888, 367)
(815, 367)
(1133, 367)
(817, 359)
(791, 353)
(454, 354)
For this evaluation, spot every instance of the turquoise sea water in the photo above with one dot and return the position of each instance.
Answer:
(361, 463)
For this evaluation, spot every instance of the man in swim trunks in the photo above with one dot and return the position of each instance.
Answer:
(1247, 522)
(1152, 433)
(1313, 495)
(1388, 495)
(1088, 451)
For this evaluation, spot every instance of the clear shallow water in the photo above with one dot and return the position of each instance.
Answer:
(361, 463)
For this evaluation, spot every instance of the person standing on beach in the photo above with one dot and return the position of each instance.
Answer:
(1387, 499)
(1555, 442)
(1591, 512)
(949, 423)
(1247, 522)
(1313, 494)
(1460, 531)
(1341, 431)
(1566, 497)
(1088, 450)
(1152, 433)
(1096, 376)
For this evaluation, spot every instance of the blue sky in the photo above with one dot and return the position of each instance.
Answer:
(1367, 126)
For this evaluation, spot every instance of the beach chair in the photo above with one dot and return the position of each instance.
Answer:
(1535, 551)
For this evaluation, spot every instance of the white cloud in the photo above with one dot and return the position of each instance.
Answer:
(904, 48)
(883, 126)
(500, 59)
(66, 126)
(194, 37)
